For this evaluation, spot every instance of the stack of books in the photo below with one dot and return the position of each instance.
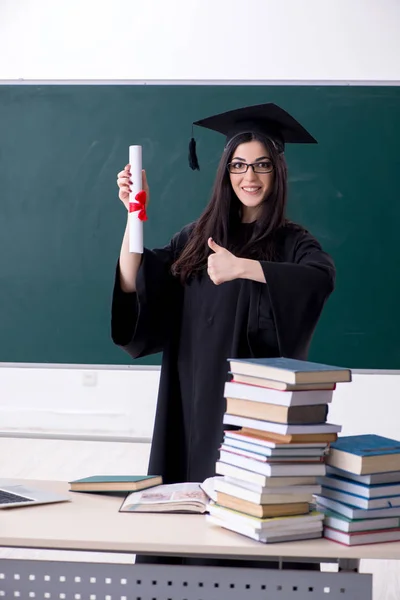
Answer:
(360, 493)
(271, 462)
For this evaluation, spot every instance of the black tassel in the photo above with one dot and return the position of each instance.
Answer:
(193, 162)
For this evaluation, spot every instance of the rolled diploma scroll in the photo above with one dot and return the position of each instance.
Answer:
(135, 224)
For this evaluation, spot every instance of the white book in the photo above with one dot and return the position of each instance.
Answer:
(272, 470)
(298, 522)
(359, 502)
(289, 497)
(268, 458)
(280, 489)
(288, 536)
(366, 491)
(361, 538)
(247, 531)
(283, 398)
(280, 385)
(173, 497)
(257, 479)
(281, 428)
(341, 523)
(259, 441)
(273, 452)
(351, 512)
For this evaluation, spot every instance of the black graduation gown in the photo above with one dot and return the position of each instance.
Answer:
(199, 325)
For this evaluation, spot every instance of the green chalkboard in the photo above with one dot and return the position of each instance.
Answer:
(61, 222)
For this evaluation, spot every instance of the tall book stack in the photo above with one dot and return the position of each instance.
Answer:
(274, 447)
(360, 493)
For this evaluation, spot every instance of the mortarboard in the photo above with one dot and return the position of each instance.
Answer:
(268, 119)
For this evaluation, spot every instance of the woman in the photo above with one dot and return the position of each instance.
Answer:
(241, 281)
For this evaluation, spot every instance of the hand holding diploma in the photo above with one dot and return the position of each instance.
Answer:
(134, 193)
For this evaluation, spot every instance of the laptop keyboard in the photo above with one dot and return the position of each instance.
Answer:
(10, 498)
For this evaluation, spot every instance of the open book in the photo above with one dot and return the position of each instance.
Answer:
(172, 498)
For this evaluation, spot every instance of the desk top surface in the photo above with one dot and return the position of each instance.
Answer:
(92, 522)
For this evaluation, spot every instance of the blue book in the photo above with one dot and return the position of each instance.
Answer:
(289, 370)
(365, 491)
(359, 501)
(352, 512)
(365, 454)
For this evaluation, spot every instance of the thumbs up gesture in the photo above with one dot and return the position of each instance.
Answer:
(222, 266)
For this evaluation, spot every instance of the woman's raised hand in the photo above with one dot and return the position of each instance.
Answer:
(125, 183)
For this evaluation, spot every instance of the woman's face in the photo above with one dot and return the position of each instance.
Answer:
(252, 188)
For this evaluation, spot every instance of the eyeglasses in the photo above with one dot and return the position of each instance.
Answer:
(265, 166)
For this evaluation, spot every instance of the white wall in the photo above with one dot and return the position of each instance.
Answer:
(323, 40)
(95, 413)
(86, 403)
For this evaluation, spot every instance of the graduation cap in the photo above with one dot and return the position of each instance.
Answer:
(268, 119)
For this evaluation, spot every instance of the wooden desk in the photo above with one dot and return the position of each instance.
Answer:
(92, 522)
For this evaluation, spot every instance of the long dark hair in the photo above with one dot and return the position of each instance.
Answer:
(223, 214)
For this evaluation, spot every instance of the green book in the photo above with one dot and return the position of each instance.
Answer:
(115, 483)
(341, 523)
(289, 370)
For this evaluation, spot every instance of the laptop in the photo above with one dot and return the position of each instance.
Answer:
(14, 495)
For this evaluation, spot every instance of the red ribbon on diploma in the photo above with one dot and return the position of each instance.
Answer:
(139, 205)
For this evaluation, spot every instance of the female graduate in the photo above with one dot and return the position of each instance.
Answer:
(241, 281)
